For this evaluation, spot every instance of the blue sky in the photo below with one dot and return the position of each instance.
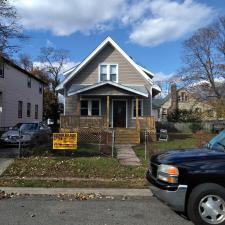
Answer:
(150, 31)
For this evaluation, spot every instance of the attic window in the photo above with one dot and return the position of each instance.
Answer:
(29, 82)
(108, 72)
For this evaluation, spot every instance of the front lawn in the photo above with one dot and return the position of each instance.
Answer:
(83, 167)
(177, 141)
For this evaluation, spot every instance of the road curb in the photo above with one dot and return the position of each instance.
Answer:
(71, 191)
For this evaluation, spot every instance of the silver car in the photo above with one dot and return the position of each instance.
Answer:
(23, 133)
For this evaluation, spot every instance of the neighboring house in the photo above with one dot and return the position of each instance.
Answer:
(21, 95)
(181, 99)
(107, 89)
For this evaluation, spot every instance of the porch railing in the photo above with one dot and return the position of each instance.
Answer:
(147, 122)
(72, 121)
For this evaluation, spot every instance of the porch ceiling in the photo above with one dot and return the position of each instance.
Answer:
(130, 89)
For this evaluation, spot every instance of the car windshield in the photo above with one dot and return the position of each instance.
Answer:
(218, 142)
(29, 126)
(17, 126)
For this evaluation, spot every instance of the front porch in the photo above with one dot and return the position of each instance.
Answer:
(112, 116)
(109, 106)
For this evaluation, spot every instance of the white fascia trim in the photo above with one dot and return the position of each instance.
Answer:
(110, 83)
(156, 87)
(86, 60)
(147, 71)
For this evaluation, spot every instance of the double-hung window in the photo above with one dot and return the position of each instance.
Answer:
(90, 107)
(28, 109)
(108, 72)
(20, 109)
(36, 112)
(140, 107)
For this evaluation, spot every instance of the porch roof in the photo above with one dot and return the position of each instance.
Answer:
(134, 89)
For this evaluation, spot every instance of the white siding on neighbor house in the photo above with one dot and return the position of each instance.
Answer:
(14, 88)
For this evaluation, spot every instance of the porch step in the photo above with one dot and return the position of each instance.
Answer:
(127, 136)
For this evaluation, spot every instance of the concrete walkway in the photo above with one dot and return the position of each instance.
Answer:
(4, 163)
(71, 191)
(127, 156)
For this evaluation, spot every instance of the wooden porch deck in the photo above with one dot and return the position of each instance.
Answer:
(130, 135)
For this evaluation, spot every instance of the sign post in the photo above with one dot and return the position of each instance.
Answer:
(64, 141)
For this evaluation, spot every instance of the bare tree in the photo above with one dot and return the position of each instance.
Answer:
(26, 63)
(203, 58)
(54, 61)
(9, 28)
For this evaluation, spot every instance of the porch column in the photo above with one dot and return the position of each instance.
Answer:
(137, 118)
(77, 113)
(107, 111)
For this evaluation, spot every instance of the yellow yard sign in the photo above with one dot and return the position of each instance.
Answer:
(65, 141)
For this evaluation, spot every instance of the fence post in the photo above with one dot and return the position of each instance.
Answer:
(100, 141)
(112, 143)
(145, 145)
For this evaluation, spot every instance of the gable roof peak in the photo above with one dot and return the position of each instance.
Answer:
(107, 40)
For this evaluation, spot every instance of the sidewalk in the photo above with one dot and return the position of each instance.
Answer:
(71, 191)
(4, 163)
(127, 156)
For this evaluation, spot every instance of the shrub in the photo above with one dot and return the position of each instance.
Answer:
(195, 127)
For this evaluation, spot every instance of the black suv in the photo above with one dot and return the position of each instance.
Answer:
(192, 181)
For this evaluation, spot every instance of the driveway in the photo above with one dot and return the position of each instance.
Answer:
(53, 211)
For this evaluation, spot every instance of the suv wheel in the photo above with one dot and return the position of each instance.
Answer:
(206, 204)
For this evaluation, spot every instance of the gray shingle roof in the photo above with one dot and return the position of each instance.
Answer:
(78, 87)
(158, 102)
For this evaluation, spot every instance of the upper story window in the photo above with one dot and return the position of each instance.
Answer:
(183, 97)
(40, 88)
(140, 107)
(108, 72)
(90, 107)
(29, 82)
(1, 69)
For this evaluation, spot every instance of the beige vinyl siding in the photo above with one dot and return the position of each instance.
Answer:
(126, 72)
(14, 88)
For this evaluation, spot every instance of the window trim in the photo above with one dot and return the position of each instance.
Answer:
(134, 105)
(20, 113)
(28, 115)
(90, 106)
(2, 67)
(108, 71)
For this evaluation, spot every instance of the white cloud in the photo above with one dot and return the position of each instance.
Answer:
(68, 65)
(67, 17)
(166, 20)
(149, 22)
(162, 77)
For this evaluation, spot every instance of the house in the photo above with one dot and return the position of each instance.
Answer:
(182, 99)
(109, 90)
(21, 95)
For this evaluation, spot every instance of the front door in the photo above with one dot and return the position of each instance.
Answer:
(119, 113)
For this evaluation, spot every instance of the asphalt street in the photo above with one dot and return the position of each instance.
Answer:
(45, 210)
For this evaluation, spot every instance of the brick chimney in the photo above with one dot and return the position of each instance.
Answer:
(174, 98)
